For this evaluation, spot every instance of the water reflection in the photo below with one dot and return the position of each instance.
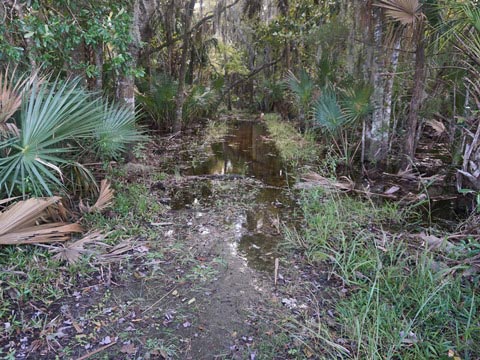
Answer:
(245, 151)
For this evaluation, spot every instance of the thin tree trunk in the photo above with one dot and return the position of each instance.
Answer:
(416, 101)
(387, 112)
(29, 45)
(99, 65)
(125, 92)
(180, 96)
(377, 134)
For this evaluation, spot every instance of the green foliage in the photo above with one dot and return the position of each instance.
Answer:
(302, 88)
(52, 118)
(326, 111)
(271, 93)
(200, 102)
(159, 101)
(332, 114)
(331, 217)
(115, 132)
(55, 118)
(355, 102)
(227, 59)
(294, 148)
(57, 30)
(400, 304)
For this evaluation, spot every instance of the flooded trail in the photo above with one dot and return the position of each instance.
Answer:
(235, 212)
(247, 155)
(212, 295)
(190, 271)
(228, 209)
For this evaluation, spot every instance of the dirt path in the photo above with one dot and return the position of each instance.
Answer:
(192, 273)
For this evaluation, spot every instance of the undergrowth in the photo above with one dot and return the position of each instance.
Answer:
(296, 149)
(30, 273)
(215, 131)
(399, 300)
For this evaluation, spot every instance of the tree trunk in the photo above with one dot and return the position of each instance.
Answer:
(99, 65)
(387, 111)
(29, 44)
(180, 96)
(125, 92)
(416, 101)
(377, 135)
(143, 10)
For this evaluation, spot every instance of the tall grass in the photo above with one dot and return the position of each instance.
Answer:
(295, 148)
(399, 305)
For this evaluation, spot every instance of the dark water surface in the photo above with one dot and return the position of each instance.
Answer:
(247, 151)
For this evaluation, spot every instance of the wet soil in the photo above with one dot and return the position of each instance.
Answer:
(199, 282)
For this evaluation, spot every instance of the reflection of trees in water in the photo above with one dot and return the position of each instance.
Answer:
(245, 152)
(259, 249)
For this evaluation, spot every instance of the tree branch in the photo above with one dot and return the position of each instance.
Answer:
(192, 30)
(246, 77)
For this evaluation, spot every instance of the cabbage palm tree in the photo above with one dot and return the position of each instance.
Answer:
(409, 14)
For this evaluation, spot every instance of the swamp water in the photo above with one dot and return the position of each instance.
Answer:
(246, 153)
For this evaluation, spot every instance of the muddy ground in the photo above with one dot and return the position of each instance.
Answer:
(198, 280)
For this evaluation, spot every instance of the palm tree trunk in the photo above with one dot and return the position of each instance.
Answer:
(416, 101)
(377, 135)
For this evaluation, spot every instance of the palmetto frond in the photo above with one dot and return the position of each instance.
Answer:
(116, 131)
(302, 87)
(327, 113)
(407, 12)
(356, 102)
(53, 115)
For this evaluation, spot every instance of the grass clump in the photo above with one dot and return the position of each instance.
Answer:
(215, 131)
(396, 301)
(294, 148)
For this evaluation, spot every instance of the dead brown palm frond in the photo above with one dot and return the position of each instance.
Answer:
(19, 223)
(46, 233)
(71, 252)
(407, 12)
(117, 253)
(7, 200)
(105, 198)
(11, 94)
(24, 213)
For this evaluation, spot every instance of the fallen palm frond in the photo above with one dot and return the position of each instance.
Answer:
(312, 179)
(6, 201)
(19, 223)
(71, 252)
(116, 253)
(105, 198)
(46, 233)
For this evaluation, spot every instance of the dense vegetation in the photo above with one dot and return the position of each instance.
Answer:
(357, 86)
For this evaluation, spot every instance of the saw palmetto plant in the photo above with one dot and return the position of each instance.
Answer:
(54, 118)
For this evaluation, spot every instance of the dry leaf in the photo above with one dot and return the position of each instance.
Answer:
(71, 252)
(405, 11)
(433, 242)
(128, 349)
(436, 125)
(19, 222)
(104, 200)
(392, 190)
